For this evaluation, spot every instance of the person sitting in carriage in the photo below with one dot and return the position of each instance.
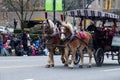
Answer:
(91, 27)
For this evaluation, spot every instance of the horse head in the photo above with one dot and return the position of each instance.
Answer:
(66, 30)
(48, 27)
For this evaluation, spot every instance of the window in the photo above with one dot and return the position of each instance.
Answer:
(109, 4)
(113, 4)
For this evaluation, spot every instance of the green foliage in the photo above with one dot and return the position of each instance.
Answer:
(17, 30)
(32, 36)
(27, 29)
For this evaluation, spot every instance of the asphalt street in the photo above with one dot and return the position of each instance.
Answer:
(33, 68)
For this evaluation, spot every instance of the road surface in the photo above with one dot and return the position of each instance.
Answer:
(33, 68)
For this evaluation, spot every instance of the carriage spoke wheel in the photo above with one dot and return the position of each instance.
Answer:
(99, 57)
(77, 58)
(119, 58)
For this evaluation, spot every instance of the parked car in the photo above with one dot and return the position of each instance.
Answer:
(3, 29)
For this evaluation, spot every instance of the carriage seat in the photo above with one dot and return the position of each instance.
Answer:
(109, 32)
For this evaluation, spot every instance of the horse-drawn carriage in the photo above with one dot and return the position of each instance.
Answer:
(106, 40)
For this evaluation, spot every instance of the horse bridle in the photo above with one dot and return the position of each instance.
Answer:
(64, 33)
(44, 27)
(62, 30)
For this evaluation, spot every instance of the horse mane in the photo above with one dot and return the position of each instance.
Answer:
(68, 25)
(52, 26)
(51, 23)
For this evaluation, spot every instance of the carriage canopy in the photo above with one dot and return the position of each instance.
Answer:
(91, 14)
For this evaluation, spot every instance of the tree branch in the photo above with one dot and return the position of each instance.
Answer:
(15, 9)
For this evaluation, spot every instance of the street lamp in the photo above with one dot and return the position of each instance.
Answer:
(54, 12)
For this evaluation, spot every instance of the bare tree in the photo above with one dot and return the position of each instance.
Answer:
(24, 9)
(76, 4)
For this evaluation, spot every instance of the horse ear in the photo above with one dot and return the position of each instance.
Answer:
(47, 21)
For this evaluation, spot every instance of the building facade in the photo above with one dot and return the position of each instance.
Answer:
(110, 5)
(6, 12)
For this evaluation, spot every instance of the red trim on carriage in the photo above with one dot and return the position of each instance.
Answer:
(115, 26)
(103, 25)
(80, 24)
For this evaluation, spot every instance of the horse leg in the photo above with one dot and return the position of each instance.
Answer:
(66, 57)
(81, 57)
(90, 56)
(73, 57)
(50, 60)
(62, 56)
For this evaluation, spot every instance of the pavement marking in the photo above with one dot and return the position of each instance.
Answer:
(28, 79)
(23, 66)
(15, 60)
(110, 70)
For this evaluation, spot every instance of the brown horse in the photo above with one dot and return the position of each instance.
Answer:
(53, 40)
(74, 41)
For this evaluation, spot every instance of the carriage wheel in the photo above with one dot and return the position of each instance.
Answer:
(119, 58)
(77, 58)
(99, 57)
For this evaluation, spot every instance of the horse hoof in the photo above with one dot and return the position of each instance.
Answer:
(63, 61)
(89, 66)
(70, 62)
(52, 65)
(71, 67)
(66, 65)
(47, 66)
(80, 66)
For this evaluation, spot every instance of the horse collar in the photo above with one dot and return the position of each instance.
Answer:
(69, 38)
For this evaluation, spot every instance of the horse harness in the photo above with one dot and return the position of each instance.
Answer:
(72, 37)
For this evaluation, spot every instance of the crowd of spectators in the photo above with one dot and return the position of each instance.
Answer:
(20, 45)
